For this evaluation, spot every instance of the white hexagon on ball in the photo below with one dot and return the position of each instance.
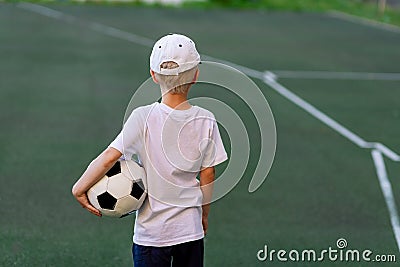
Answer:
(125, 205)
(119, 186)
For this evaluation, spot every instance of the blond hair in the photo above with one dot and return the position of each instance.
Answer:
(175, 84)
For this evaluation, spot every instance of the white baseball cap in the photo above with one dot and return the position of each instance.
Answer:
(177, 48)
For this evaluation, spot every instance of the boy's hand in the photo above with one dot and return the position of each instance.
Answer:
(95, 171)
(84, 201)
(205, 224)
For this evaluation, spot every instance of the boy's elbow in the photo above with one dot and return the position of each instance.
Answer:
(209, 172)
(74, 190)
(207, 175)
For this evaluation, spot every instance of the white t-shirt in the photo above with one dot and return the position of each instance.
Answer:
(173, 146)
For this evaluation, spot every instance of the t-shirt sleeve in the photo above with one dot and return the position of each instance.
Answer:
(130, 140)
(215, 152)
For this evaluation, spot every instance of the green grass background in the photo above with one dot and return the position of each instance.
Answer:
(363, 8)
(64, 89)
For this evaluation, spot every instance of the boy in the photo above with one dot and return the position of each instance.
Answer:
(175, 142)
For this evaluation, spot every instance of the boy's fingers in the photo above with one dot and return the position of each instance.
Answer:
(93, 210)
(83, 200)
(205, 225)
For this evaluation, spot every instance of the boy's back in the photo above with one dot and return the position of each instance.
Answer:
(173, 145)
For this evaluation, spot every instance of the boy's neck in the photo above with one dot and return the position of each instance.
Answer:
(176, 101)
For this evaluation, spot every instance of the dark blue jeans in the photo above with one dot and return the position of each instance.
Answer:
(189, 254)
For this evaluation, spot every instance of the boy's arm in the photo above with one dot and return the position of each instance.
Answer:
(95, 171)
(207, 176)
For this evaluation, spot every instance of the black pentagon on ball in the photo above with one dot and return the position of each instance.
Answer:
(137, 189)
(106, 201)
(116, 169)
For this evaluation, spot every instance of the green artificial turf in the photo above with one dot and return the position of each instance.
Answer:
(64, 89)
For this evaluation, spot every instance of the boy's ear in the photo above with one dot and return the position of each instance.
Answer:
(153, 76)
(196, 76)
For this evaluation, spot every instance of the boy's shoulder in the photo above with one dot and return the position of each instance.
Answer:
(205, 112)
(140, 114)
(144, 110)
(146, 107)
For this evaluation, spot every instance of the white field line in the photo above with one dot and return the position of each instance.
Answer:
(364, 21)
(101, 28)
(387, 191)
(333, 75)
(268, 77)
(249, 72)
(270, 80)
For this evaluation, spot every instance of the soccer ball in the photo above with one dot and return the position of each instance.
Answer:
(121, 191)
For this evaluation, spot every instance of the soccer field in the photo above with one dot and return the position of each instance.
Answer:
(67, 73)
